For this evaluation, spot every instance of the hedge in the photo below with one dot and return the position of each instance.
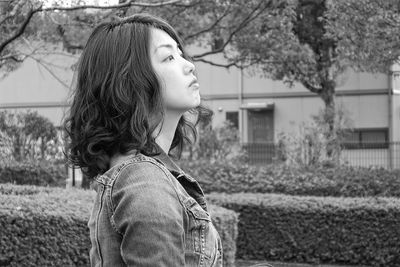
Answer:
(316, 229)
(278, 178)
(42, 226)
(34, 173)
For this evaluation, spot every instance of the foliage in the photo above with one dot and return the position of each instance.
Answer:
(48, 227)
(317, 180)
(28, 136)
(310, 42)
(207, 22)
(34, 173)
(322, 39)
(217, 144)
(349, 231)
(309, 146)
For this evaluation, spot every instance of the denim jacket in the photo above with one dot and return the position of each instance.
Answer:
(148, 212)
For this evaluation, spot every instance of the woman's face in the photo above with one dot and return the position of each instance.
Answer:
(179, 84)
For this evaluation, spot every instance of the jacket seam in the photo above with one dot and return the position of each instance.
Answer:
(97, 226)
(112, 221)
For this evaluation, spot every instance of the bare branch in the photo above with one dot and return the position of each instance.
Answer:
(32, 11)
(58, 53)
(125, 4)
(13, 57)
(304, 80)
(236, 63)
(228, 65)
(310, 87)
(209, 28)
(50, 71)
(192, 4)
(20, 31)
(241, 26)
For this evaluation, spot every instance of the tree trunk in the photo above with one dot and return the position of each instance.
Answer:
(328, 96)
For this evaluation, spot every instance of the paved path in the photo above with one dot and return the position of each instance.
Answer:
(246, 263)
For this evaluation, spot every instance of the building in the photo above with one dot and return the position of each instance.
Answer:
(260, 107)
(263, 108)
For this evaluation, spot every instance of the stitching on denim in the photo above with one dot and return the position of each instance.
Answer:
(115, 176)
(114, 225)
(97, 227)
(101, 179)
(110, 214)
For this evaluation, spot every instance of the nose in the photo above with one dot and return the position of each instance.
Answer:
(189, 67)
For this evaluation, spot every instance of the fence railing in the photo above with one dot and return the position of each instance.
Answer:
(386, 155)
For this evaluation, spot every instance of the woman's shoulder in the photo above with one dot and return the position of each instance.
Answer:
(138, 166)
(144, 178)
(132, 167)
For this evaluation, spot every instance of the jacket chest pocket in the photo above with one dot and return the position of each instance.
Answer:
(202, 234)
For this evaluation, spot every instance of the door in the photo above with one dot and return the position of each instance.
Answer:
(261, 148)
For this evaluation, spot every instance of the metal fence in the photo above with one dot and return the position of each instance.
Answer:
(386, 155)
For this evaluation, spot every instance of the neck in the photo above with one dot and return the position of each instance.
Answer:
(167, 131)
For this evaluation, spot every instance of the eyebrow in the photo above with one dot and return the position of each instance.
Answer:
(170, 46)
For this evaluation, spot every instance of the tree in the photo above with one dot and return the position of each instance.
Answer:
(307, 41)
(324, 38)
(26, 135)
(211, 23)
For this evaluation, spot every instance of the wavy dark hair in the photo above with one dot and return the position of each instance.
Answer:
(116, 95)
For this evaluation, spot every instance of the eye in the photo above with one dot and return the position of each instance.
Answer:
(169, 58)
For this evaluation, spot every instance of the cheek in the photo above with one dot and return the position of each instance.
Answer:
(166, 80)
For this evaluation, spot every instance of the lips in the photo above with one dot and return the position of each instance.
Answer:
(194, 83)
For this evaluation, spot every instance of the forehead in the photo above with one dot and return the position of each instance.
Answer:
(159, 38)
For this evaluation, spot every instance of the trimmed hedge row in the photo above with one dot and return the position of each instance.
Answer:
(226, 223)
(34, 173)
(45, 227)
(316, 229)
(42, 226)
(344, 181)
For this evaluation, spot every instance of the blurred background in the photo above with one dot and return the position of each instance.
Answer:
(306, 101)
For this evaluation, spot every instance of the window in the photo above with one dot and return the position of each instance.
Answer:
(367, 139)
(233, 117)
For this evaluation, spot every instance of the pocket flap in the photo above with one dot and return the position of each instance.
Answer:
(196, 209)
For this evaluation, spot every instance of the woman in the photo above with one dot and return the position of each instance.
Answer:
(135, 87)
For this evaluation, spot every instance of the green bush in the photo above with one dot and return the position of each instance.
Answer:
(34, 173)
(42, 226)
(316, 181)
(316, 229)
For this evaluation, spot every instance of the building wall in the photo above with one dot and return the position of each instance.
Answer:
(395, 84)
(363, 95)
(33, 87)
(395, 153)
(396, 116)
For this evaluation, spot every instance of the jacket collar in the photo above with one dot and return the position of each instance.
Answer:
(168, 162)
(191, 186)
